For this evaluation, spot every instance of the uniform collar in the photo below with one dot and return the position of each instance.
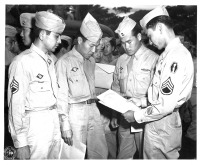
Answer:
(170, 46)
(40, 52)
(139, 52)
(77, 54)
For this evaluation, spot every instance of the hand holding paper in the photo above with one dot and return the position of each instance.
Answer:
(113, 100)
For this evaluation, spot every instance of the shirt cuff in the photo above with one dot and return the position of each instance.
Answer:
(143, 102)
(20, 140)
(65, 125)
(139, 116)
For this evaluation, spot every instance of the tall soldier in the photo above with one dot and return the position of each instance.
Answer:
(170, 88)
(32, 93)
(76, 94)
(133, 73)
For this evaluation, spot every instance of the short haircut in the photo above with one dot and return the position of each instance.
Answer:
(38, 30)
(162, 19)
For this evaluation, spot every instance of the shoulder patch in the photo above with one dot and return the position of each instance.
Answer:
(174, 67)
(14, 86)
(167, 87)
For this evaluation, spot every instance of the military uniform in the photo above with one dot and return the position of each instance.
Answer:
(132, 78)
(76, 96)
(32, 94)
(170, 88)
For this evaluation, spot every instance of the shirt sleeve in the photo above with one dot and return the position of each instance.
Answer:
(62, 98)
(174, 89)
(115, 84)
(144, 100)
(17, 90)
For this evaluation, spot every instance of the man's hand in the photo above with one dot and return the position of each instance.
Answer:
(129, 116)
(67, 137)
(114, 123)
(23, 153)
(136, 101)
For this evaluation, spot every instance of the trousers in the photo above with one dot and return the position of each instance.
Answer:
(87, 127)
(44, 137)
(162, 138)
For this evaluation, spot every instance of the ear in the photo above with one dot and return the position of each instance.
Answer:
(80, 40)
(159, 27)
(139, 36)
(42, 34)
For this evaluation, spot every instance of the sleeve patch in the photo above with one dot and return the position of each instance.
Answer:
(167, 87)
(174, 67)
(14, 86)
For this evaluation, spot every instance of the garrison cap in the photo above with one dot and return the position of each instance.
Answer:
(152, 14)
(125, 26)
(66, 38)
(11, 31)
(90, 28)
(49, 21)
(27, 19)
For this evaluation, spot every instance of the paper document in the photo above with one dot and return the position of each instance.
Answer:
(104, 75)
(77, 151)
(113, 100)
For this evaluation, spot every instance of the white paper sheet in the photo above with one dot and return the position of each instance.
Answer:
(77, 151)
(113, 100)
(104, 75)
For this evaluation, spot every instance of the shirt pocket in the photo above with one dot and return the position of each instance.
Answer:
(77, 85)
(40, 86)
(143, 78)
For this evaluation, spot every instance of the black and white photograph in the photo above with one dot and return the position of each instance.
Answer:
(99, 80)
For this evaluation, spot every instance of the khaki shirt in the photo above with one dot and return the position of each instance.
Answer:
(74, 85)
(132, 75)
(32, 87)
(171, 85)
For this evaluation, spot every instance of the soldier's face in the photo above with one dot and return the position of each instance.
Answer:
(130, 43)
(156, 37)
(52, 41)
(26, 36)
(87, 48)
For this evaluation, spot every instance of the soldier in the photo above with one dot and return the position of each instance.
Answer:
(133, 73)
(170, 88)
(32, 93)
(27, 21)
(76, 95)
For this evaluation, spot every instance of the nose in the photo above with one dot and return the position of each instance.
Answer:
(150, 42)
(59, 39)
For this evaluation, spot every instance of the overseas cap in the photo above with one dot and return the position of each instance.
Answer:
(10, 31)
(49, 21)
(90, 28)
(26, 19)
(152, 14)
(125, 26)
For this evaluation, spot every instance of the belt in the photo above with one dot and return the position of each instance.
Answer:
(43, 109)
(52, 107)
(90, 101)
(127, 97)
